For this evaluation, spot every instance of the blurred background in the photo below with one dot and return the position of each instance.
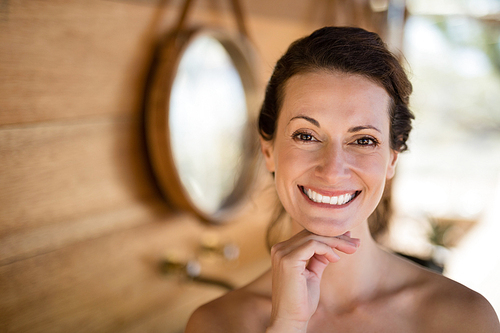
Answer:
(447, 192)
(87, 240)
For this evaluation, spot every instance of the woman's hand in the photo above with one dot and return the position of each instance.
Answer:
(297, 267)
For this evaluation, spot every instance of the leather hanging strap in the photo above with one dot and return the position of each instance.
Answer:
(184, 14)
(240, 19)
(237, 11)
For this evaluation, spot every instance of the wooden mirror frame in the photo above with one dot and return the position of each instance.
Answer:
(157, 129)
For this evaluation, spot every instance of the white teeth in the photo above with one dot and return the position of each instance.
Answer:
(340, 200)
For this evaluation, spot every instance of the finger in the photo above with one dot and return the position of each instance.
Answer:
(304, 234)
(318, 263)
(344, 246)
(300, 255)
(348, 238)
(341, 243)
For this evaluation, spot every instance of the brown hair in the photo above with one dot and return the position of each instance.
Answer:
(352, 51)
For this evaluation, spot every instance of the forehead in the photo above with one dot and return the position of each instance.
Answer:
(336, 96)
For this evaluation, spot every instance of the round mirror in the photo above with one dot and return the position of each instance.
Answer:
(199, 123)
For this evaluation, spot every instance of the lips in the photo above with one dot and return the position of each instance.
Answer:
(338, 200)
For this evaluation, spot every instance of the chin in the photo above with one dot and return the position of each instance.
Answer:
(327, 227)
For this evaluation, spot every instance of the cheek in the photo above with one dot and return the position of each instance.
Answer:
(291, 166)
(285, 166)
(294, 162)
(373, 168)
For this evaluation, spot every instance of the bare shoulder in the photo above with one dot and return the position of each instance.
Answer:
(458, 308)
(445, 305)
(242, 310)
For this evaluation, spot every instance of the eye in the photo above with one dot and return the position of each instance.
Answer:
(366, 141)
(303, 136)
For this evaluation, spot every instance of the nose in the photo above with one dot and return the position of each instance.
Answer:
(332, 165)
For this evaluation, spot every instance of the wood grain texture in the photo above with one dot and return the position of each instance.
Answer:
(65, 59)
(82, 225)
(113, 282)
(62, 171)
(96, 286)
(15, 246)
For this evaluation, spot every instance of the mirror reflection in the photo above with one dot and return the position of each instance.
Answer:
(207, 119)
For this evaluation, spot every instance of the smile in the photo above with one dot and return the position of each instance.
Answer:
(333, 200)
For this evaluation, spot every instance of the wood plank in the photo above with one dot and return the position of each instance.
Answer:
(63, 171)
(63, 59)
(92, 58)
(15, 246)
(66, 59)
(111, 283)
(93, 286)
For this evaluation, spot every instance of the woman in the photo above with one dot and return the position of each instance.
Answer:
(334, 119)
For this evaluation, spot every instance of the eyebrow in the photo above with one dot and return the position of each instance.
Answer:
(309, 119)
(360, 128)
(351, 130)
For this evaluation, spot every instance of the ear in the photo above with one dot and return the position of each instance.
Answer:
(267, 150)
(391, 168)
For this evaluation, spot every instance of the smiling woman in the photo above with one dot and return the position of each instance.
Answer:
(334, 119)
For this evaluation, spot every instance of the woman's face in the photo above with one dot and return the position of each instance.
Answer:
(331, 152)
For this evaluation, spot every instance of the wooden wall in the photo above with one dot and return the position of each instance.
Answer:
(82, 224)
